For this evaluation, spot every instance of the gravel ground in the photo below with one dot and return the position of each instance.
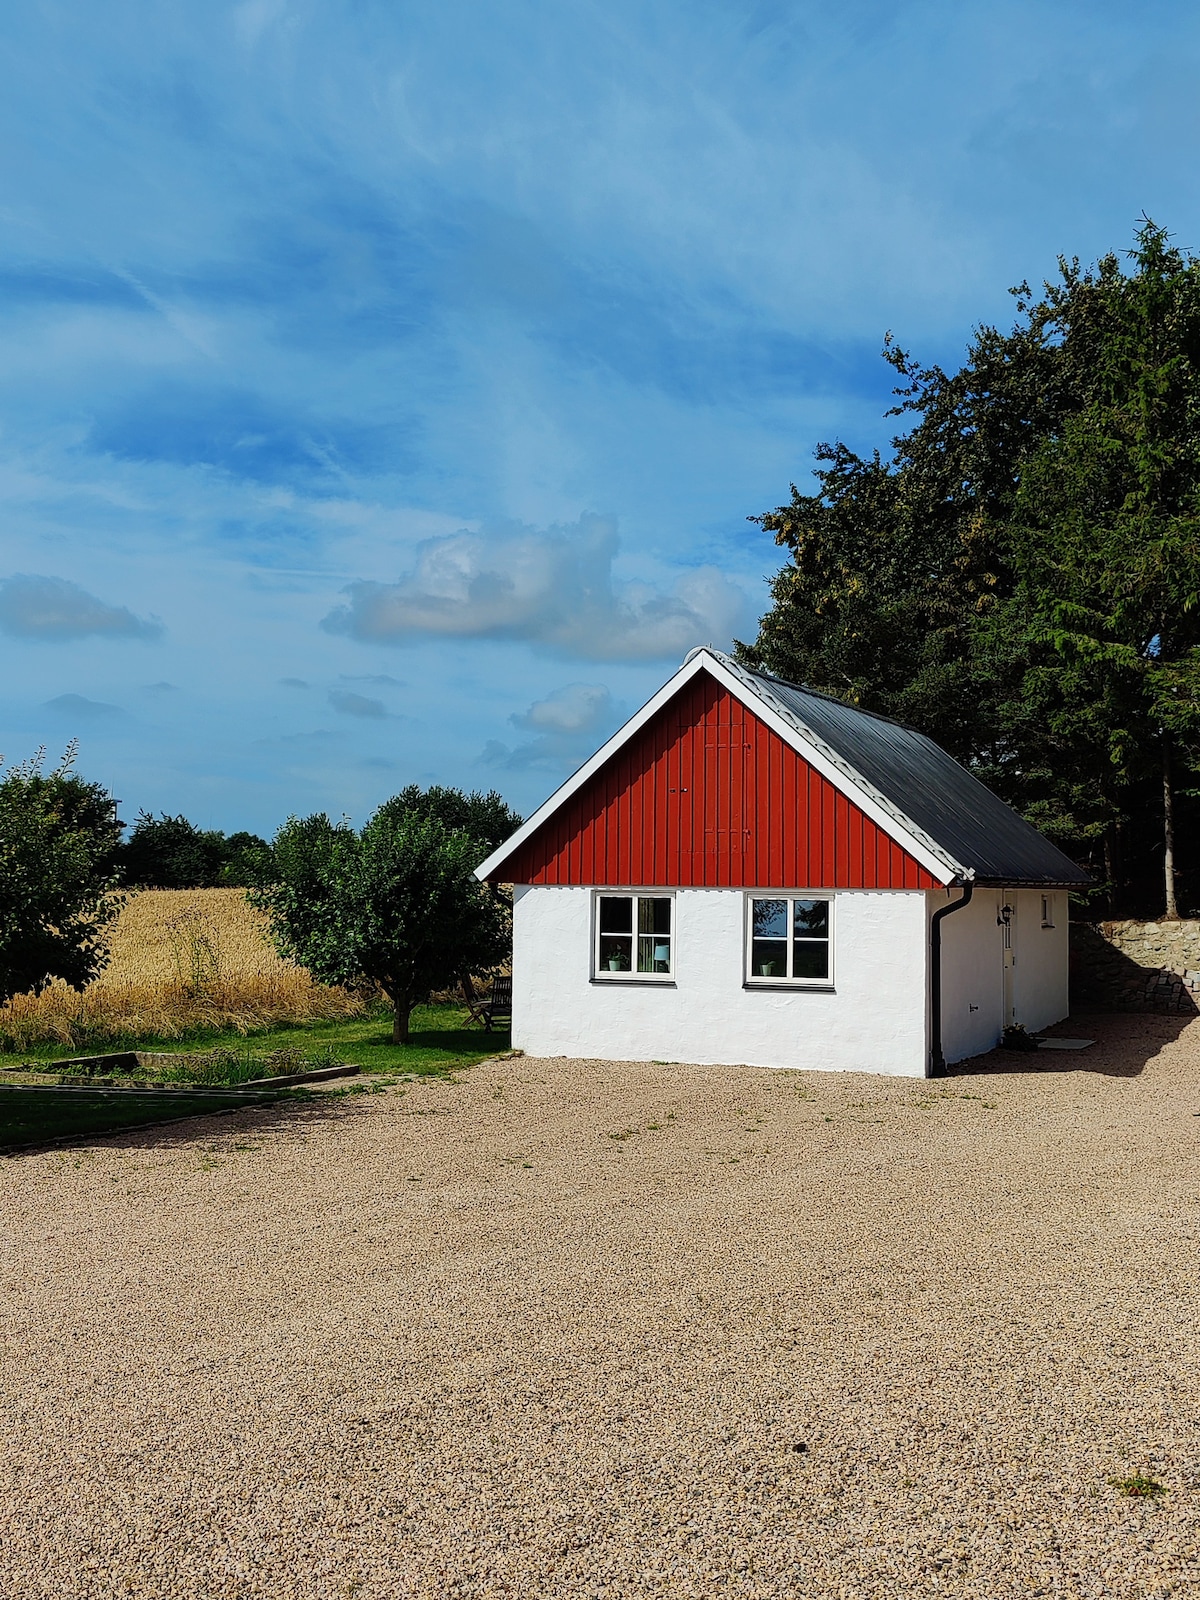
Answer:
(575, 1328)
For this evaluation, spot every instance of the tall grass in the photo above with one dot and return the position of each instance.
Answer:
(183, 963)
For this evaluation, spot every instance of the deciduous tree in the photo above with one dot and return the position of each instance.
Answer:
(58, 840)
(397, 905)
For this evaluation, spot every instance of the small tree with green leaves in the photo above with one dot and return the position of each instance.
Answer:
(486, 817)
(58, 840)
(397, 905)
(248, 861)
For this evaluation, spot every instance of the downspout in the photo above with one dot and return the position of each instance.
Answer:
(937, 1058)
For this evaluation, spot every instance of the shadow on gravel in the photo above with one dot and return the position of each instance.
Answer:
(1126, 1044)
(291, 1113)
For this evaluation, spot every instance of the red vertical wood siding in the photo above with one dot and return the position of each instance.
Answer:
(706, 795)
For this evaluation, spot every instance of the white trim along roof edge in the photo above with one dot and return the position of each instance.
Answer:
(755, 694)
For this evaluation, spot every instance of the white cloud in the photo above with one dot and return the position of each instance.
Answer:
(569, 723)
(554, 587)
(33, 606)
(575, 708)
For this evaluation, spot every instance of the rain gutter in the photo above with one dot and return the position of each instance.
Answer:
(937, 1057)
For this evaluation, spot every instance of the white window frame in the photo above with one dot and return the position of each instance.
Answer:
(601, 973)
(1047, 911)
(756, 980)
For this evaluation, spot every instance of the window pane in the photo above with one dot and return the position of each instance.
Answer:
(769, 919)
(654, 952)
(616, 952)
(810, 919)
(616, 913)
(654, 916)
(810, 960)
(768, 958)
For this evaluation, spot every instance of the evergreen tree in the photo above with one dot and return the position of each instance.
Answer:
(1019, 578)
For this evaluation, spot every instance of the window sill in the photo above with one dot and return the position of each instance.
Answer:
(791, 985)
(641, 980)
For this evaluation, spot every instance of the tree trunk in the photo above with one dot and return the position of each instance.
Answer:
(1110, 869)
(1169, 835)
(403, 1008)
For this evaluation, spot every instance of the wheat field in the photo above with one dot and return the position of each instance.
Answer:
(181, 960)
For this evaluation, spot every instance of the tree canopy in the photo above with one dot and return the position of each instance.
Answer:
(397, 904)
(486, 817)
(1019, 578)
(58, 841)
(167, 852)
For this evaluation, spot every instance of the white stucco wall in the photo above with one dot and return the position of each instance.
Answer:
(874, 1020)
(973, 968)
(1043, 960)
(972, 973)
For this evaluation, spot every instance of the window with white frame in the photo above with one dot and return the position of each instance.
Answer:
(634, 935)
(789, 939)
(1047, 911)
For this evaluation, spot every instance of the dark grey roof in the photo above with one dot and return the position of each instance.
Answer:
(969, 825)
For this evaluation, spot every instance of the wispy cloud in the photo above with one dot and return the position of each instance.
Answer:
(290, 293)
(569, 724)
(356, 705)
(78, 708)
(55, 609)
(316, 738)
(554, 588)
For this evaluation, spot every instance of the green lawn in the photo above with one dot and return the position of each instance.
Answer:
(443, 1037)
(32, 1116)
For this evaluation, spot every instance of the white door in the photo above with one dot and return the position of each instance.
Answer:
(1008, 924)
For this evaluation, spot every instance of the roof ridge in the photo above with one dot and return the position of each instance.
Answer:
(843, 764)
(833, 699)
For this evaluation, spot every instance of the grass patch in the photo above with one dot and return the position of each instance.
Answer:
(1137, 1487)
(443, 1037)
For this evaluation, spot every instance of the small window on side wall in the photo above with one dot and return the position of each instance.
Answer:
(1047, 911)
(634, 936)
(789, 940)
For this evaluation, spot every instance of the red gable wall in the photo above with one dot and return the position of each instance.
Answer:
(706, 795)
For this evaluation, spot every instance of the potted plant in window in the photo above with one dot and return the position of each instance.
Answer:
(768, 969)
(618, 962)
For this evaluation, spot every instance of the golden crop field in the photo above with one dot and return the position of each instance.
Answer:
(180, 960)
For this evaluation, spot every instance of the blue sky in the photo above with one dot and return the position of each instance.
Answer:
(385, 388)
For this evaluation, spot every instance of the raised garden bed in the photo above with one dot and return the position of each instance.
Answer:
(134, 1069)
(59, 1114)
(116, 1093)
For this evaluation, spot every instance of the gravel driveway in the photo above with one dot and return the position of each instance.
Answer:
(575, 1328)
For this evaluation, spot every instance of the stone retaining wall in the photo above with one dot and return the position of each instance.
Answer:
(1135, 966)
